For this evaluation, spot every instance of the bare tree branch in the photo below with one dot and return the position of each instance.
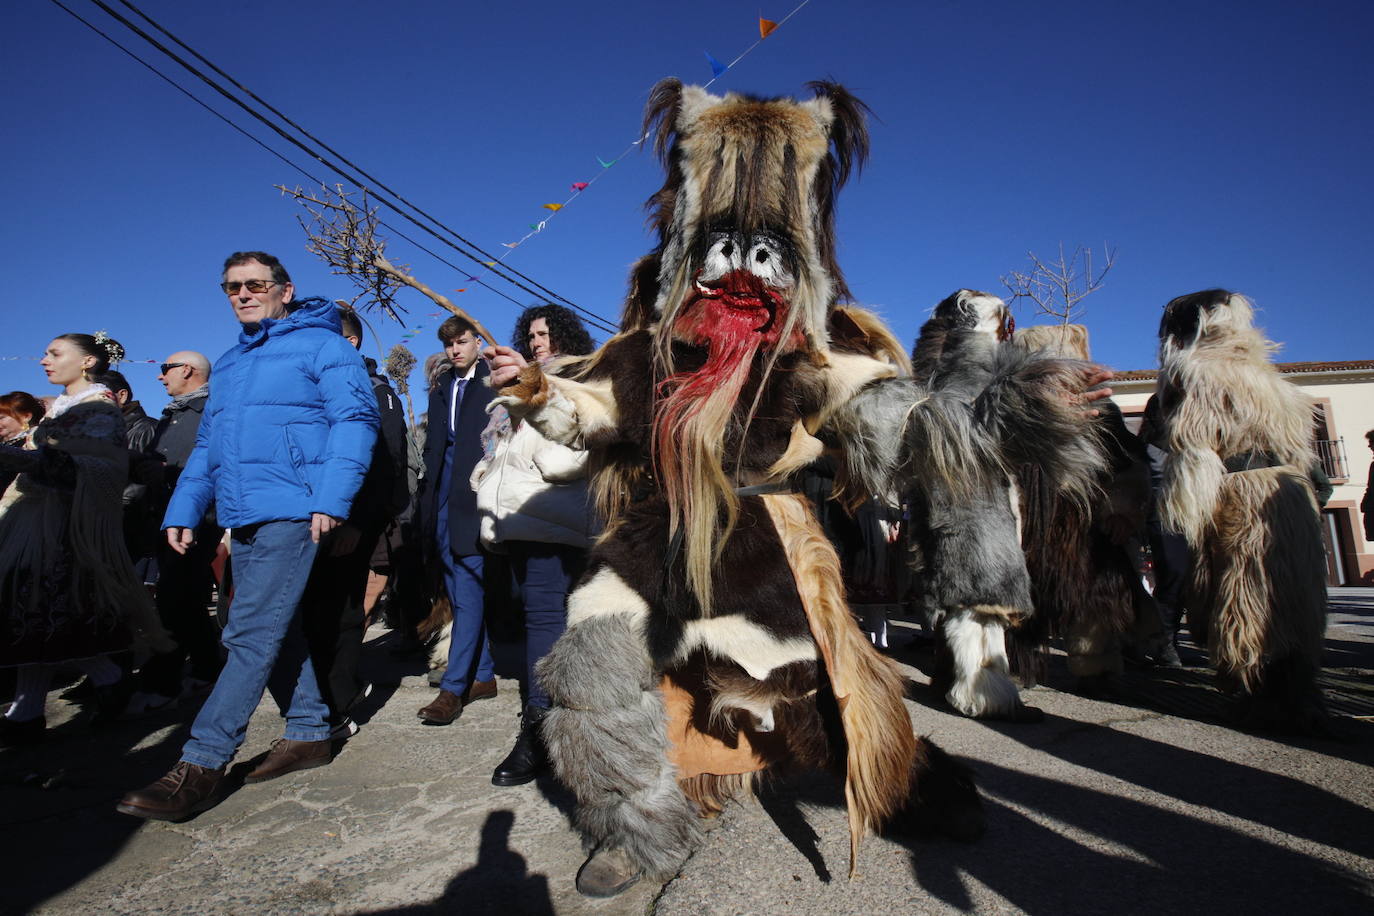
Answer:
(1059, 287)
(344, 235)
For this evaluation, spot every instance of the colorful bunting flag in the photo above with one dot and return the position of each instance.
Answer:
(766, 27)
(717, 68)
(604, 163)
(509, 245)
(580, 185)
(489, 263)
(554, 207)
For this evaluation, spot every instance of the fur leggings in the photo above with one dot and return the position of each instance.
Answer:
(607, 738)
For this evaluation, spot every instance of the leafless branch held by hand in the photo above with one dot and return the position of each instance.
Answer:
(344, 235)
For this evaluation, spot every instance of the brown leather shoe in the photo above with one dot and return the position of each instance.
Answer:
(445, 708)
(288, 756)
(184, 791)
(479, 690)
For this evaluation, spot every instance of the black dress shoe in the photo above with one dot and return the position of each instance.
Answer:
(528, 758)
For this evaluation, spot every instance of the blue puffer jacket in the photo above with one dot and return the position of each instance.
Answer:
(288, 429)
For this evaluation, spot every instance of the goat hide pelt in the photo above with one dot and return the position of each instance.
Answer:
(712, 585)
(1237, 486)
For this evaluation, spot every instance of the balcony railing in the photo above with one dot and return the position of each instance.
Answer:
(1331, 453)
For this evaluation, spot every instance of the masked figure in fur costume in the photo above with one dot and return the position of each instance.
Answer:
(1084, 584)
(1236, 485)
(949, 442)
(709, 638)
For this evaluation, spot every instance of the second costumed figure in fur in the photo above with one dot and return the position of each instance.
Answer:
(709, 639)
(1237, 485)
(949, 442)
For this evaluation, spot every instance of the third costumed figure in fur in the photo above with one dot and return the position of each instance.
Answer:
(709, 639)
(1237, 486)
(949, 441)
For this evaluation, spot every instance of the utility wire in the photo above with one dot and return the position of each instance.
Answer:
(178, 87)
(312, 153)
(377, 182)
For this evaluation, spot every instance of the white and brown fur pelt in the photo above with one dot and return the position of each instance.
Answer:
(948, 441)
(734, 599)
(1083, 581)
(1237, 486)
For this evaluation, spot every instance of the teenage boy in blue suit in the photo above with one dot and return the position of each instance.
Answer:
(448, 510)
(284, 442)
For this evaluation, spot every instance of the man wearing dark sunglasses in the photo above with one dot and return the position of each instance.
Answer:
(283, 444)
(184, 580)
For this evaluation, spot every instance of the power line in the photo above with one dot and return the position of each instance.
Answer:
(377, 182)
(178, 87)
(600, 322)
(314, 154)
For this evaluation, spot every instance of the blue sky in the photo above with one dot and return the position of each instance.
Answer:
(1213, 144)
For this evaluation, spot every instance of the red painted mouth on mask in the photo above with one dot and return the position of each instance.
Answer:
(741, 305)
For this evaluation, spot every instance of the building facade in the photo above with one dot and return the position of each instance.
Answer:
(1343, 411)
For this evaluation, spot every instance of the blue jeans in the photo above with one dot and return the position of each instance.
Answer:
(544, 574)
(271, 565)
(469, 653)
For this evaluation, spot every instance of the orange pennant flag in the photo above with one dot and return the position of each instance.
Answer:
(463, 290)
(766, 27)
(554, 207)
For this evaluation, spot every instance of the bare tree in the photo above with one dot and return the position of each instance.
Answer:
(344, 235)
(1059, 287)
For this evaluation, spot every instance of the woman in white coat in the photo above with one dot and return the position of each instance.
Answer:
(534, 506)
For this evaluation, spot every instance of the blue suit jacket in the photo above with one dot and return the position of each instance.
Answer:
(467, 451)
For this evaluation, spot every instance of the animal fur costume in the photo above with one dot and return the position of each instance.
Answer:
(709, 638)
(1236, 485)
(1084, 584)
(996, 408)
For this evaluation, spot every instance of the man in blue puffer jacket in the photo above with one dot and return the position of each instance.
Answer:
(285, 440)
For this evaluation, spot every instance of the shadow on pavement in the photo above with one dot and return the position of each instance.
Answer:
(57, 800)
(1104, 853)
(498, 883)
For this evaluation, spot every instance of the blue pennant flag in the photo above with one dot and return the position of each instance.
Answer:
(717, 68)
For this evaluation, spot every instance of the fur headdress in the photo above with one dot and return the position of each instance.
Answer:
(750, 177)
(1222, 397)
(744, 268)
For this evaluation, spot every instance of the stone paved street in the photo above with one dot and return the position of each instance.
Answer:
(1146, 805)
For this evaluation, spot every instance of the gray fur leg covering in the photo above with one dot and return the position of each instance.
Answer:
(607, 738)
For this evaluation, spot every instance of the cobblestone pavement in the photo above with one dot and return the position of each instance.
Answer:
(1148, 802)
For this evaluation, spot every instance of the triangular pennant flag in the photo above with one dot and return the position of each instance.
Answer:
(472, 279)
(534, 226)
(463, 290)
(604, 163)
(580, 185)
(717, 68)
(766, 27)
(511, 244)
(554, 207)
(489, 263)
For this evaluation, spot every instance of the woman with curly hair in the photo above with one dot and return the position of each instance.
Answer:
(67, 589)
(533, 506)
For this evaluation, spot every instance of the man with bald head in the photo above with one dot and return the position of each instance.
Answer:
(184, 580)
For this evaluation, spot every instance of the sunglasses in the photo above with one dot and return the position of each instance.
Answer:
(167, 367)
(254, 286)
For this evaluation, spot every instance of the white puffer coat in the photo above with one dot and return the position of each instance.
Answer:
(531, 489)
